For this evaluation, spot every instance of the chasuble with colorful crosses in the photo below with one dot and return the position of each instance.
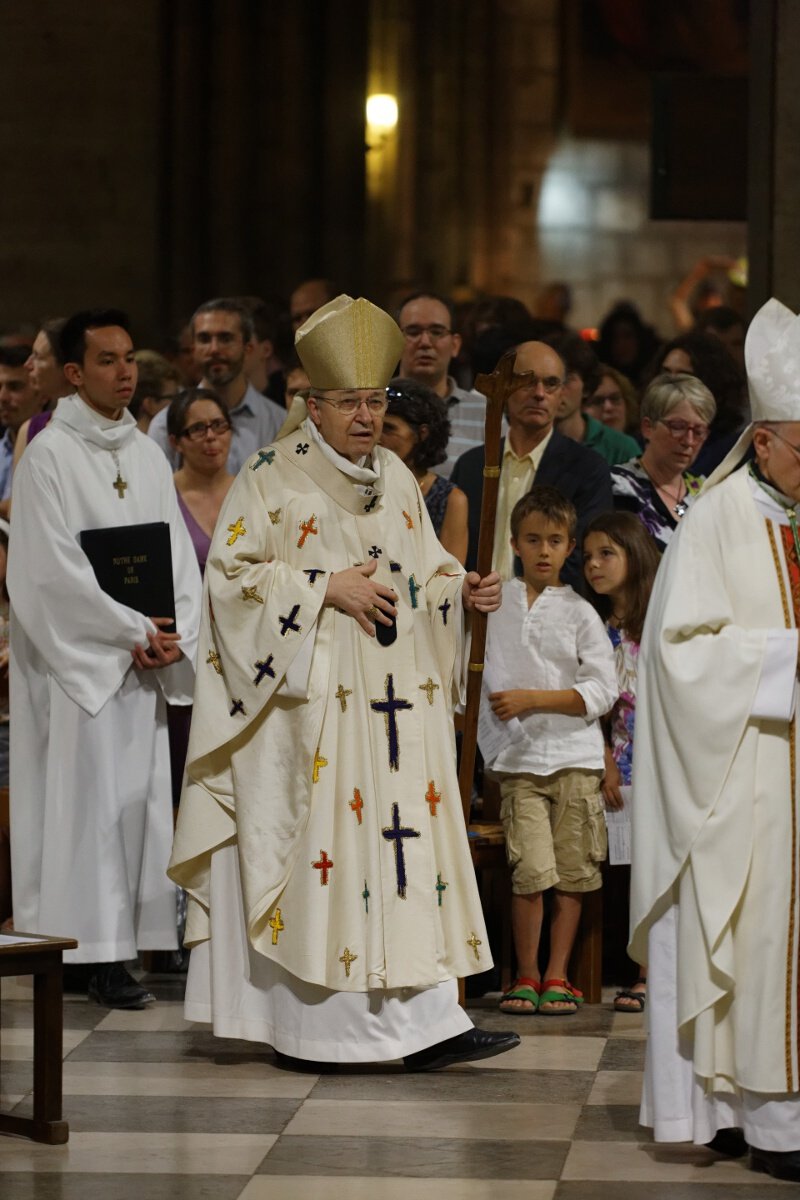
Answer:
(328, 758)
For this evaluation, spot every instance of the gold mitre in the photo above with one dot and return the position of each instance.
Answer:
(349, 344)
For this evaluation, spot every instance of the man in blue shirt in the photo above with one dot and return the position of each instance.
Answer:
(222, 338)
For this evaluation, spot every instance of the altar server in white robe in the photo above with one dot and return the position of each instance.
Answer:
(91, 812)
(320, 836)
(716, 882)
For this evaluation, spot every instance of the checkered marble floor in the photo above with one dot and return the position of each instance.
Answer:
(159, 1109)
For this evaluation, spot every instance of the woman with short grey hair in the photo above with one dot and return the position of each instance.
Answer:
(658, 486)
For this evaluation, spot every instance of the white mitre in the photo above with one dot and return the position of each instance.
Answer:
(772, 358)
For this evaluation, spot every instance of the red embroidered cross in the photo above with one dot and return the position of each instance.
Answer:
(324, 865)
(433, 797)
(357, 803)
(306, 527)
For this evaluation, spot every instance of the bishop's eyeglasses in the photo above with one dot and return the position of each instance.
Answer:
(351, 404)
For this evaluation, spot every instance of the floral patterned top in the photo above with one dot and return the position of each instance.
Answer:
(634, 492)
(626, 659)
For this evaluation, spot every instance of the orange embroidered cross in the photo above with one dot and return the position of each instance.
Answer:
(357, 803)
(409, 522)
(306, 527)
(433, 797)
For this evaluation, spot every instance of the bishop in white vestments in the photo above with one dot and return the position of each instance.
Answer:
(91, 810)
(321, 837)
(716, 875)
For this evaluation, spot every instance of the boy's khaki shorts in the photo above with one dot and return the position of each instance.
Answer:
(555, 830)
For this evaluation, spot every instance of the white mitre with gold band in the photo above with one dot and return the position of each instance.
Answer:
(772, 357)
(349, 344)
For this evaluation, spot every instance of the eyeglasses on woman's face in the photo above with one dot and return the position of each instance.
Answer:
(199, 430)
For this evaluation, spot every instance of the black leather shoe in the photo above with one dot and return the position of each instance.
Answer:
(729, 1142)
(305, 1066)
(114, 987)
(467, 1047)
(780, 1164)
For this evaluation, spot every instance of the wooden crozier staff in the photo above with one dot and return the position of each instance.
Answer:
(496, 387)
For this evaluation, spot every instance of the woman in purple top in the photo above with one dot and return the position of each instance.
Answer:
(199, 427)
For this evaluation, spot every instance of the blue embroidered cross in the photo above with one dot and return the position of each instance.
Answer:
(264, 456)
(414, 589)
(390, 708)
(264, 668)
(397, 833)
(301, 448)
(375, 552)
(288, 623)
(444, 609)
(369, 507)
(365, 896)
(395, 566)
(312, 574)
(238, 707)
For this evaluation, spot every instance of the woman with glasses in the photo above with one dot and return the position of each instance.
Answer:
(658, 486)
(614, 402)
(417, 429)
(199, 428)
(705, 356)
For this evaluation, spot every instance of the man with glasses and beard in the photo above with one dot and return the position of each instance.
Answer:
(222, 339)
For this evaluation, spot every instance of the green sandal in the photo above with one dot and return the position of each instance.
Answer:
(523, 989)
(559, 991)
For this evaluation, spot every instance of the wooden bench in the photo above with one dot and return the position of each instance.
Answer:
(40, 957)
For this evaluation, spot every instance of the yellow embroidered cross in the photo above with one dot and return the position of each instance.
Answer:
(357, 803)
(276, 925)
(306, 527)
(475, 941)
(275, 516)
(429, 687)
(213, 658)
(341, 695)
(318, 764)
(432, 797)
(347, 958)
(236, 530)
(252, 593)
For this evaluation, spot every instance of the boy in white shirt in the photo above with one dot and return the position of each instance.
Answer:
(551, 651)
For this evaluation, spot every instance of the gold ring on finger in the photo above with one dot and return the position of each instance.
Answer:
(372, 611)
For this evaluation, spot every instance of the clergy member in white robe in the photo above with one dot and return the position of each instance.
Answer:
(91, 809)
(715, 883)
(321, 839)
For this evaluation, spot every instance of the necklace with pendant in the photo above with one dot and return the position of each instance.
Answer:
(680, 504)
(119, 483)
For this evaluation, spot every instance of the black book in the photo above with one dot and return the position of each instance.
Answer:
(133, 565)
